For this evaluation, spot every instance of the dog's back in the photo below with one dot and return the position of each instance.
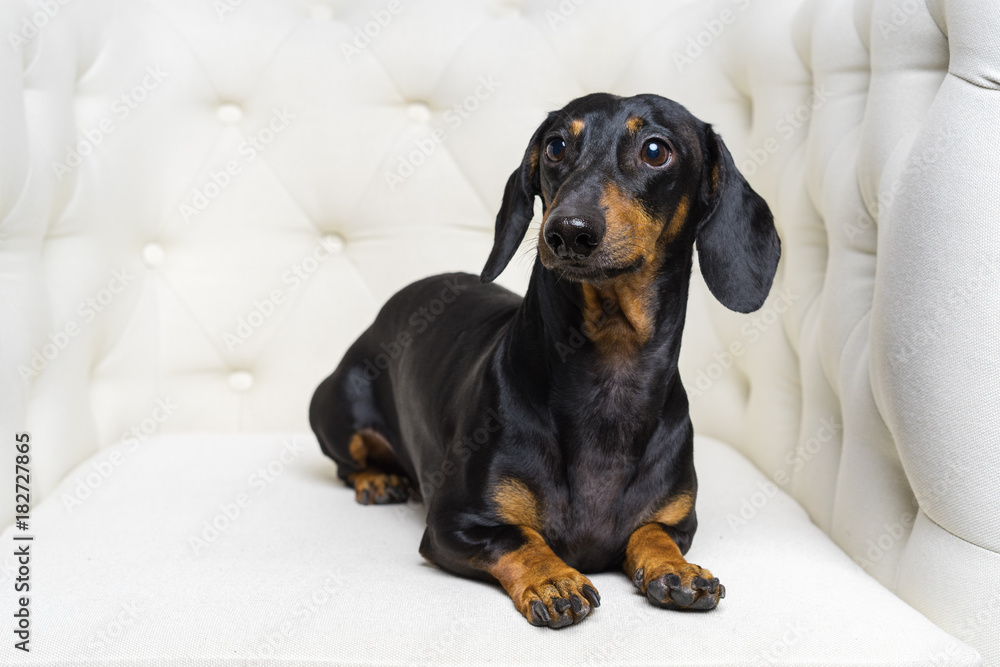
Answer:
(399, 378)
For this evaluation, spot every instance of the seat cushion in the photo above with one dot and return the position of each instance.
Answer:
(204, 550)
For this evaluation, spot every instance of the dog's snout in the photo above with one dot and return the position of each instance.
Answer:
(571, 237)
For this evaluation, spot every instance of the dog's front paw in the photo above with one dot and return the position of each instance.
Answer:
(374, 487)
(558, 601)
(679, 586)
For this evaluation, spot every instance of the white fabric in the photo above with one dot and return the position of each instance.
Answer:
(298, 573)
(161, 274)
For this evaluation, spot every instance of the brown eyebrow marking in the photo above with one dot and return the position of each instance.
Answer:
(576, 127)
(634, 124)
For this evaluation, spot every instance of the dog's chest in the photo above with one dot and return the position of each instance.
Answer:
(590, 514)
(595, 500)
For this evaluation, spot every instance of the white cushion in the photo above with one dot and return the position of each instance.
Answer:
(869, 126)
(302, 573)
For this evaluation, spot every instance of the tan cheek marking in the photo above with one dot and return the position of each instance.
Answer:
(627, 224)
(634, 124)
(676, 510)
(677, 221)
(517, 505)
(576, 127)
(619, 315)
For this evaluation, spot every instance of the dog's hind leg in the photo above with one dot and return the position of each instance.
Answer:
(375, 482)
(350, 430)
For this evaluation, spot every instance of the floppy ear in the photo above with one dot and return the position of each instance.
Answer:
(516, 211)
(738, 246)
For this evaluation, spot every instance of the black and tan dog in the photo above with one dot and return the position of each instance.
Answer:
(550, 435)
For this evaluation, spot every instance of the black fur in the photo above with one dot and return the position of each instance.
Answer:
(471, 384)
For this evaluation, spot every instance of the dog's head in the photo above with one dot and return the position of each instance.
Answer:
(625, 184)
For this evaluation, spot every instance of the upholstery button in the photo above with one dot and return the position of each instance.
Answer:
(418, 112)
(240, 381)
(229, 113)
(333, 242)
(153, 254)
(321, 12)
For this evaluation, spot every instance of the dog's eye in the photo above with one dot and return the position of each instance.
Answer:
(655, 153)
(556, 149)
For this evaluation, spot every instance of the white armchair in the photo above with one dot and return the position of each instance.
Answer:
(203, 203)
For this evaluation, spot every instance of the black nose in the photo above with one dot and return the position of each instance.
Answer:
(571, 238)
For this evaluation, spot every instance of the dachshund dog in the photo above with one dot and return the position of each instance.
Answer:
(549, 435)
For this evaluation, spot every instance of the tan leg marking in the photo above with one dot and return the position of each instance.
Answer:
(544, 589)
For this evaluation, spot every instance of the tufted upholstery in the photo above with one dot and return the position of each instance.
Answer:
(203, 203)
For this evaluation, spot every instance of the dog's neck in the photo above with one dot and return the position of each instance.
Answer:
(620, 339)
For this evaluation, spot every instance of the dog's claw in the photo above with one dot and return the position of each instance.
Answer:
(562, 621)
(539, 614)
(592, 596)
(682, 597)
(656, 590)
